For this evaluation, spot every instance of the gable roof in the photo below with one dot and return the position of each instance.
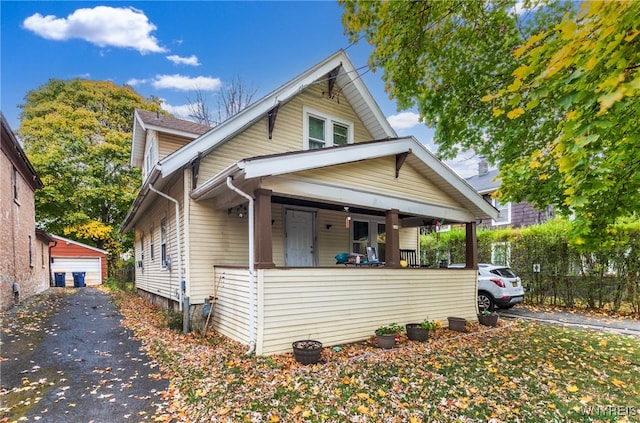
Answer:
(12, 148)
(418, 156)
(348, 81)
(79, 244)
(144, 120)
(486, 183)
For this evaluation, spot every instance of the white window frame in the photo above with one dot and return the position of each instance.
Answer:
(328, 127)
(505, 249)
(151, 246)
(164, 256)
(149, 158)
(507, 221)
(373, 233)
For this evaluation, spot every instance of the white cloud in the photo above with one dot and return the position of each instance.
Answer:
(135, 81)
(103, 26)
(520, 9)
(186, 83)
(404, 120)
(190, 61)
(464, 168)
(181, 112)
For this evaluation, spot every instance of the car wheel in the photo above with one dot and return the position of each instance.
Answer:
(485, 301)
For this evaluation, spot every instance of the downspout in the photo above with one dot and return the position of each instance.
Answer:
(252, 334)
(51, 279)
(182, 286)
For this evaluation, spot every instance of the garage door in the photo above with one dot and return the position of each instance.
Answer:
(68, 265)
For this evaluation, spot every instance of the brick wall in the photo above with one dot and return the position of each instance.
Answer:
(18, 239)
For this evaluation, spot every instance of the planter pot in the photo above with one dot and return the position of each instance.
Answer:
(488, 320)
(457, 323)
(386, 341)
(307, 352)
(416, 333)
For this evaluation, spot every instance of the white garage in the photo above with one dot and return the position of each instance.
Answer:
(91, 266)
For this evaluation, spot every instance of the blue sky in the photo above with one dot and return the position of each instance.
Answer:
(166, 48)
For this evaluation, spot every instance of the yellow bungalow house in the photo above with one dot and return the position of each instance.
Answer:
(254, 211)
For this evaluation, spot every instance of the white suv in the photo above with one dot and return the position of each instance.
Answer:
(497, 286)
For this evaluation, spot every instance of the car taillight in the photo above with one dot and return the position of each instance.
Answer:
(497, 281)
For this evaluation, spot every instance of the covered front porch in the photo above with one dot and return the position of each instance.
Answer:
(334, 305)
(292, 213)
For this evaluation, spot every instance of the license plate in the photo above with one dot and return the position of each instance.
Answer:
(514, 284)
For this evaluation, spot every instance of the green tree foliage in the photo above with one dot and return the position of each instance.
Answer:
(607, 278)
(549, 95)
(77, 135)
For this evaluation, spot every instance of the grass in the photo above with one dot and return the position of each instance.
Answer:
(522, 371)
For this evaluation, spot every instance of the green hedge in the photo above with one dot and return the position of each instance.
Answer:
(605, 279)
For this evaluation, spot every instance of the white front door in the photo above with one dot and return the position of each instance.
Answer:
(299, 238)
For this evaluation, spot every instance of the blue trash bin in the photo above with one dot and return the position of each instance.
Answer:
(59, 278)
(78, 279)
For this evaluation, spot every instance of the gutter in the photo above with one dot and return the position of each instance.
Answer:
(252, 333)
(178, 240)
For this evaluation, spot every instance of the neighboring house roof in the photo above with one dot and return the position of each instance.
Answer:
(12, 148)
(145, 120)
(44, 236)
(79, 244)
(486, 183)
(348, 82)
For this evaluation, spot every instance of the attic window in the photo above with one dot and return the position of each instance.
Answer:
(322, 130)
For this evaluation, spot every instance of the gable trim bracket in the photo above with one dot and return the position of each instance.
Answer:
(331, 82)
(195, 170)
(272, 115)
(400, 158)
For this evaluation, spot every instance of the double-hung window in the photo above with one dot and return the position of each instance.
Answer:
(163, 242)
(322, 130)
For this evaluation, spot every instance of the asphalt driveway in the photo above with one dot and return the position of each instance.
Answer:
(65, 357)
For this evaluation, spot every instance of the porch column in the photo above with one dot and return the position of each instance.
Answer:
(263, 233)
(472, 246)
(392, 253)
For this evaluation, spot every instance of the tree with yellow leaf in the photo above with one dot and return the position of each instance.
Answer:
(550, 95)
(77, 134)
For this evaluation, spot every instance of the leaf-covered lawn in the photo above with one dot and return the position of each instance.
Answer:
(519, 372)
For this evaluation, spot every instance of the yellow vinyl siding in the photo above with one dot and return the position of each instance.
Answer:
(168, 143)
(152, 277)
(334, 240)
(380, 174)
(231, 310)
(342, 305)
(216, 238)
(287, 134)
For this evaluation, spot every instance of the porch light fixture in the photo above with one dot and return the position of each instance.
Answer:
(347, 221)
(329, 226)
(241, 211)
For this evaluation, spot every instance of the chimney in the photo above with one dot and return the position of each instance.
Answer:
(483, 166)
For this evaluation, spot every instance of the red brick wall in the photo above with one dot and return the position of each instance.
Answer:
(17, 225)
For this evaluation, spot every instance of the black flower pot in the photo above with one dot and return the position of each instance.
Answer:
(416, 333)
(488, 319)
(386, 340)
(307, 352)
(457, 323)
